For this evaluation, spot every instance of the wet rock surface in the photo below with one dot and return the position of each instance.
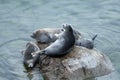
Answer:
(79, 64)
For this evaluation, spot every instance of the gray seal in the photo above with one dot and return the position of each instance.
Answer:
(49, 35)
(45, 35)
(61, 46)
(86, 42)
(28, 58)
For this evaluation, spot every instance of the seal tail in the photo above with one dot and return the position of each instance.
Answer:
(94, 37)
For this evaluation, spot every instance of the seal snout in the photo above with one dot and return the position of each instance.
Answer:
(67, 26)
(32, 35)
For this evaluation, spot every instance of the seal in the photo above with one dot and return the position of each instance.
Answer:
(48, 35)
(45, 35)
(86, 42)
(28, 58)
(61, 46)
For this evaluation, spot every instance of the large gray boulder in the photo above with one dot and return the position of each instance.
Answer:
(81, 63)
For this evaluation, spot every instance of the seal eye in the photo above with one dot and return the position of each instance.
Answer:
(62, 29)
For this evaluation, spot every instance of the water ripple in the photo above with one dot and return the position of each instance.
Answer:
(19, 18)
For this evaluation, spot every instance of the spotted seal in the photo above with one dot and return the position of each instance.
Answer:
(86, 42)
(45, 35)
(28, 58)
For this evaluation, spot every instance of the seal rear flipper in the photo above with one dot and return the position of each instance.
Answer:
(94, 37)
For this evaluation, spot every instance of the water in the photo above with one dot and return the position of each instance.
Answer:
(19, 18)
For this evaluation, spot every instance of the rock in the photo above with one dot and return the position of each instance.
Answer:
(81, 63)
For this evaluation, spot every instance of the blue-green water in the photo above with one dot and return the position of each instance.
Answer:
(19, 18)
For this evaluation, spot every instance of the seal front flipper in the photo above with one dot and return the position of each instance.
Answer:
(35, 56)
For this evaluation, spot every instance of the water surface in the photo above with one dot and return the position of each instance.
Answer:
(19, 18)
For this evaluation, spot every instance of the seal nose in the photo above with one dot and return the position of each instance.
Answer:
(32, 35)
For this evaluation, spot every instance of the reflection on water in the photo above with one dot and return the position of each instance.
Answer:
(19, 18)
